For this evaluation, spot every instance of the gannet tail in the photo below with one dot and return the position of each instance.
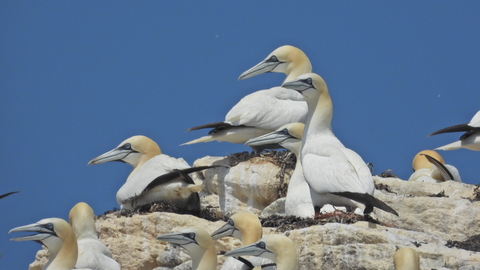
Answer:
(368, 200)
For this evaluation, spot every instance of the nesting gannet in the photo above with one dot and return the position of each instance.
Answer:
(57, 235)
(289, 137)
(92, 253)
(328, 166)
(199, 245)
(469, 140)
(266, 110)
(429, 166)
(155, 176)
(406, 258)
(246, 227)
(276, 247)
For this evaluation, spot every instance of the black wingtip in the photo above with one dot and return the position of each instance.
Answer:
(368, 200)
(456, 128)
(8, 194)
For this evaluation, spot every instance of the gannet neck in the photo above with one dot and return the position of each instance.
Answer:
(69, 252)
(320, 115)
(81, 218)
(249, 226)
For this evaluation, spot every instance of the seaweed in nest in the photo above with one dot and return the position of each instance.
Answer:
(386, 174)
(206, 213)
(440, 194)
(476, 193)
(384, 187)
(472, 243)
(286, 223)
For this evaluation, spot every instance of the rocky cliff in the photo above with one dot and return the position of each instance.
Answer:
(441, 221)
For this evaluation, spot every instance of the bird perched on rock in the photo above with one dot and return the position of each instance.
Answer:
(328, 166)
(155, 176)
(429, 166)
(289, 137)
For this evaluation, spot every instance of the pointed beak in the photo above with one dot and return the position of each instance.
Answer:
(273, 139)
(175, 238)
(112, 155)
(255, 249)
(224, 231)
(262, 67)
(35, 227)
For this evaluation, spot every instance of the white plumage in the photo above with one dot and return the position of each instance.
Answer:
(469, 140)
(265, 110)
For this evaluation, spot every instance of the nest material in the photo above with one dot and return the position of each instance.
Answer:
(472, 243)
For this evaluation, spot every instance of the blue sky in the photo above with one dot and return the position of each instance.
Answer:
(79, 77)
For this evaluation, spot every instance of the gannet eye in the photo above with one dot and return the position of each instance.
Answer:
(127, 146)
(284, 131)
(261, 244)
(49, 226)
(309, 80)
(273, 59)
(192, 235)
(230, 222)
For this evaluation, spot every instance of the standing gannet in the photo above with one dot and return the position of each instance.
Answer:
(328, 166)
(469, 140)
(289, 137)
(155, 176)
(199, 245)
(246, 227)
(276, 247)
(57, 235)
(429, 166)
(406, 258)
(91, 252)
(266, 110)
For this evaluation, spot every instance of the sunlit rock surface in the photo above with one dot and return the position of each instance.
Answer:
(431, 214)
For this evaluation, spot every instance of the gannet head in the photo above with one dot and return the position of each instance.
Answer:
(197, 242)
(285, 59)
(288, 136)
(132, 151)
(276, 247)
(406, 258)
(242, 225)
(53, 233)
(421, 162)
(310, 85)
(81, 218)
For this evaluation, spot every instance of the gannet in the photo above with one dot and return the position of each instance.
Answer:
(266, 110)
(246, 227)
(469, 140)
(289, 137)
(276, 247)
(328, 166)
(406, 258)
(155, 176)
(429, 166)
(91, 252)
(57, 235)
(199, 245)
